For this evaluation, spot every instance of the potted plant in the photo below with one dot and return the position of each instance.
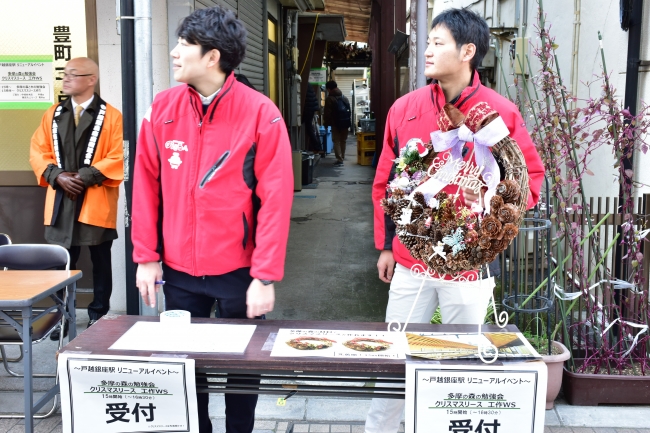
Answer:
(554, 359)
(604, 320)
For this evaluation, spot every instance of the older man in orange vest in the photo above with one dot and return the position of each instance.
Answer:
(77, 153)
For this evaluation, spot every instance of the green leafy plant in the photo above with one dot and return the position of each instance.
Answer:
(489, 316)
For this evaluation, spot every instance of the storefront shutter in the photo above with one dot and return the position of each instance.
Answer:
(229, 4)
(251, 12)
(345, 78)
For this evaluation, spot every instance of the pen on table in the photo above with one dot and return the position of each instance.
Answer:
(159, 282)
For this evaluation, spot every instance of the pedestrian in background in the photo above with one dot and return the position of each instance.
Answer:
(338, 115)
(311, 108)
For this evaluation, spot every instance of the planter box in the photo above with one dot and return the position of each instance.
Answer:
(554, 364)
(582, 389)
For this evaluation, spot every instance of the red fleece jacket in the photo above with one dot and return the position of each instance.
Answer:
(207, 221)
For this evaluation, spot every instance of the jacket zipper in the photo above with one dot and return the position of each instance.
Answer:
(197, 161)
(194, 218)
(209, 175)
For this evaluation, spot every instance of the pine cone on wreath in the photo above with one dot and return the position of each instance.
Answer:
(509, 232)
(419, 198)
(495, 203)
(498, 245)
(421, 243)
(508, 190)
(508, 213)
(400, 206)
(485, 243)
(388, 206)
(491, 227)
(408, 241)
(491, 257)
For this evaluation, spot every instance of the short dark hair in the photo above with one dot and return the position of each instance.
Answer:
(216, 28)
(466, 27)
(331, 85)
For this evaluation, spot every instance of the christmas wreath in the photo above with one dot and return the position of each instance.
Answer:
(310, 343)
(367, 344)
(433, 224)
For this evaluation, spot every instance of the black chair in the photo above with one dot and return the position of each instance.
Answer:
(33, 257)
(6, 240)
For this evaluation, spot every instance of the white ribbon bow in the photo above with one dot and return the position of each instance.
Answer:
(617, 284)
(453, 141)
(643, 328)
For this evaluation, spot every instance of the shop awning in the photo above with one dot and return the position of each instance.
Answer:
(356, 15)
(330, 27)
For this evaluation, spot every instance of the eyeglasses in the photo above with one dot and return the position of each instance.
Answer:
(64, 75)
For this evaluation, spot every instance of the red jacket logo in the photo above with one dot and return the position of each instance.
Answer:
(176, 145)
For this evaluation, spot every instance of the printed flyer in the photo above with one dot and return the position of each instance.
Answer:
(337, 344)
(437, 345)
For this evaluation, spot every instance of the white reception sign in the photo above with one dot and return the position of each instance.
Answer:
(108, 394)
(507, 398)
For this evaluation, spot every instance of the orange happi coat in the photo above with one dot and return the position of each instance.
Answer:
(100, 201)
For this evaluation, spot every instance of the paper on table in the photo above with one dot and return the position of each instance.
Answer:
(194, 337)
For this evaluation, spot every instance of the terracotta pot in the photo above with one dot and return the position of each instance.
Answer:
(582, 389)
(555, 365)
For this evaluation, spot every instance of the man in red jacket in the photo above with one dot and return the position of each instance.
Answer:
(212, 191)
(457, 42)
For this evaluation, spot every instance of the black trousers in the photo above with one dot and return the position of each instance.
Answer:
(197, 295)
(100, 256)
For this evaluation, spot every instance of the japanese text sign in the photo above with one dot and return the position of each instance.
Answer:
(317, 76)
(106, 394)
(26, 81)
(476, 398)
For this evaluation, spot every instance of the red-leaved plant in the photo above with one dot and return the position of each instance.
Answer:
(566, 132)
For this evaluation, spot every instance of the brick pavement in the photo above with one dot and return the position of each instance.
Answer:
(53, 425)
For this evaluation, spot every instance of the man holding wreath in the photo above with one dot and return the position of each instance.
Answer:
(457, 43)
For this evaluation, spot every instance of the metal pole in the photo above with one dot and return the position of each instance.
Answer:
(129, 128)
(413, 50)
(143, 61)
(421, 41)
(630, 102)
(143, 82)
(265, 48)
